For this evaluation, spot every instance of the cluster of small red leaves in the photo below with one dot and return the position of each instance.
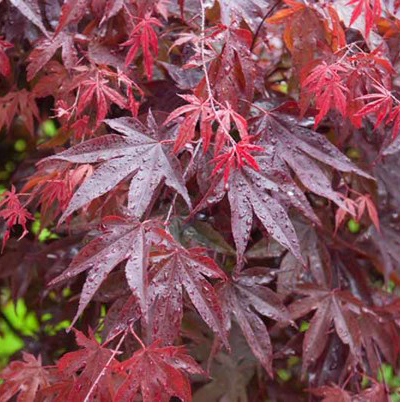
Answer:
(13, 213)
(356, 209)
(193, 202)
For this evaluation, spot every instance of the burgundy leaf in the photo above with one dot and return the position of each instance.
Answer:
(173, 269)
(121, 240)
(157, 373)
(243, 301)
(135, 151)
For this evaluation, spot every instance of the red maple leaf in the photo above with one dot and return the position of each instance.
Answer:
(380, 104)
(21, 103)
(243, 298)
(236, 157)
(157, 372)
(395, 118)
(332, 306)
(173, 264)
(248, 191)
(144, 35)
(120, 240)
(53, 185)
(5, 67)
(87, 364)
(45, 50)
(197, 110)
(23, 378)
(325, 83)
(137, 151)
(96, 86)
(365, 201)
(372, 10)
(13, 213)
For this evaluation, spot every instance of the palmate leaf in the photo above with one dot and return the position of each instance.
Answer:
(87, 363)
(337, 307)
(266, 192)
(174, 268)
(243, 298)
(121, 240)
(157, 372)
(305, 151)
(46, 49)
(25, 378)
(134, 152)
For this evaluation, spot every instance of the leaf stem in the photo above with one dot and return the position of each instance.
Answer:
(105, 367)
(206, 76)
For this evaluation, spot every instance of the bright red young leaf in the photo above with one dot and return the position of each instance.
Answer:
(96, 86)
(137, 151)
(156, 372)
(87, 364)
(173, 269)
(144, 35)
(243, 298)
(371, 9)
(23, 378)
(325, 83)
(225, 117)
(120, 240)
(236, 157)
(198, 110)
(380, 104)
(5, 67)
(13, 213)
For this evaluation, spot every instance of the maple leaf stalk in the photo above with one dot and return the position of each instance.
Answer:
(169, 213)
(206, 76)
(114, 353)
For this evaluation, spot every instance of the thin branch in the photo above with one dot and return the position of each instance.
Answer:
(196, 150)
(105, 367)
(269, 12)
(142, 345)
(206, 76)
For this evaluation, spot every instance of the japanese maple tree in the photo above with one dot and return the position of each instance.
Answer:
(200, 199)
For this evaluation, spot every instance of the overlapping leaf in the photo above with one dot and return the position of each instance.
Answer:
(243, 298)
(137, 151)
(88, 363)
(338, 307)
(23, 378)
(121, 240)
(232, 72)
(174, 268)
(266, 192)
(157, 373)
(306, 152)
(45, 50)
